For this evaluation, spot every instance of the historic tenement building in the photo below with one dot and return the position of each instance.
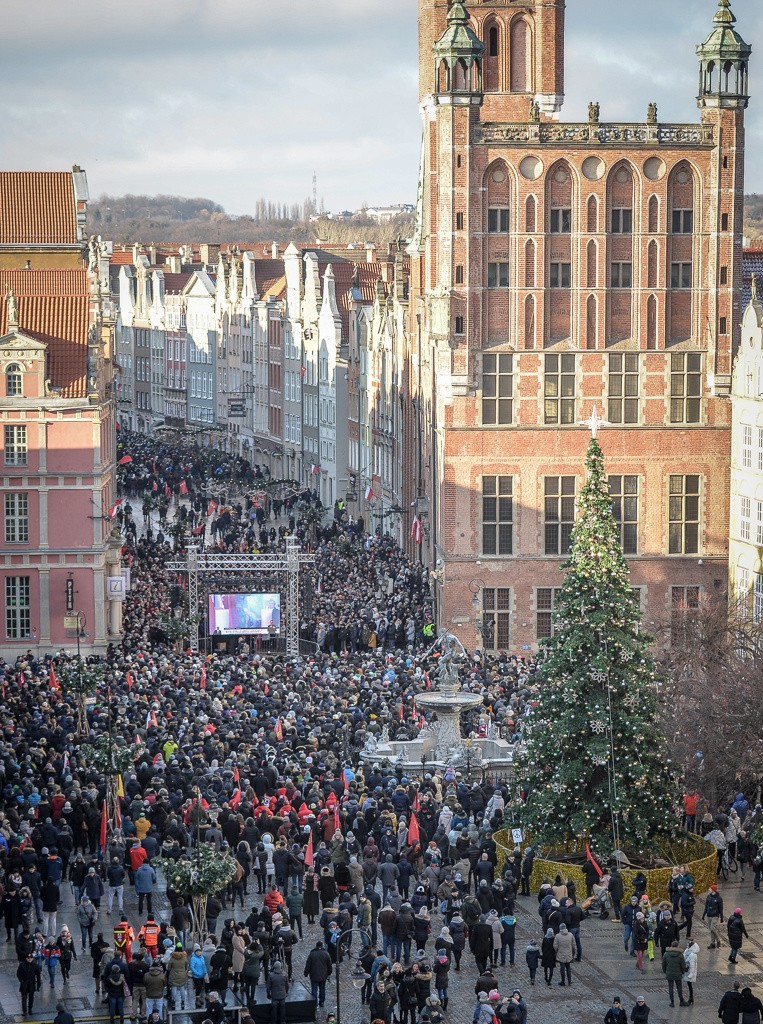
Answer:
(559, 268)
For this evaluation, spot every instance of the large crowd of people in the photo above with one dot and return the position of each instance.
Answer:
(337, 858)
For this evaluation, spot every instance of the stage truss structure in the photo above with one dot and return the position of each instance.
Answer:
(199, 562)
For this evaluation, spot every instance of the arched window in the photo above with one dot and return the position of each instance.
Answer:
(460, 77)
(530, 264)
(443, 77)
(13, 380)
(651, 273)
(651, 322)
(709, 74)
(654, 215)
(520, 56)
(529, 322)
(492, 57)
(591, 317)
(530, 206)
(592, 261)
(593, 214)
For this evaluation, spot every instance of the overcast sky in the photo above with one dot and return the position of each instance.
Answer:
(233, 99)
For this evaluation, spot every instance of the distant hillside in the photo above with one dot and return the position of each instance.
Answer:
(150, 219)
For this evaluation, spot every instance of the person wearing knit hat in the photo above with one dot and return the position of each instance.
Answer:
(714, 913)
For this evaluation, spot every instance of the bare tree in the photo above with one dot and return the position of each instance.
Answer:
(711, 666)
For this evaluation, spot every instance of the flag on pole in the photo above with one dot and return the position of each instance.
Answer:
(236, 774)
(129, 681)
(313, 469)
(120, 786)
(183, 487)
(154, 465)
(369, 492)
(211, 507)
(114, 507)
(416, 530)
(400, 712)
(151, 719)
(309, 856)
(167, 491)
(414, 836)
(279, 729)
(65, 766)
(596, 865)
(104, 827)
(54, 684)
(235, 800)
(337, 819)
(203, 678)
(125, 460)
(416, 802)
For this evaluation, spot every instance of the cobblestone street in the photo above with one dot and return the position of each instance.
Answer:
(604, 972)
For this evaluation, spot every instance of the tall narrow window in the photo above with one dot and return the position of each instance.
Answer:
(496, 609)
(747, 446)
(497, 515)
(623, 404)
(593, 214)
(559, 513)
(560, 275)
(591, 265)
(683, 515)
(498, 220)
(544, 612)
(683, 222)
(623, 490)
(530, 264)
(16, 518)
(685, 387)
(497, 388)
(493, 42)
(654, 215)
(684, 608)
(745, 518)
(13, 381)
(622, 221)
(559, 388)
(651, 265)
(15, 445)
(519, 56)
(561, 220)
(18, 613)
(530, 213)
(498, 275)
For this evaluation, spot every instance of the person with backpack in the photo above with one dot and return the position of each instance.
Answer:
(115, 992)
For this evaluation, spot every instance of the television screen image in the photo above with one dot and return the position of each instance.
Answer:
(237, 614)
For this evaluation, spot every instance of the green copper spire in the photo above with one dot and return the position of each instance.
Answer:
(723, 59)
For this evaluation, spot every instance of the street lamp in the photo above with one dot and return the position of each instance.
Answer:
(358, 976)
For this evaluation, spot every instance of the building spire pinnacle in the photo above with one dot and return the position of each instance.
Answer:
(724, 15)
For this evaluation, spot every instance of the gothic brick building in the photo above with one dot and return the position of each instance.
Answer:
(560, 268)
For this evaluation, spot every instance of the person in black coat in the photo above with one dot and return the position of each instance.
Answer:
(27, 977)
(548, 956)
(616, 1014)
(730, 1005)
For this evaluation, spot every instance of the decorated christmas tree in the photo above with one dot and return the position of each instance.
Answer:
(595, 769)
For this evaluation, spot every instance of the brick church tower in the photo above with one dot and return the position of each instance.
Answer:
(559, 268)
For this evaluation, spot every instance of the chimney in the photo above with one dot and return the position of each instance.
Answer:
(370, 253)
(274, 251)
(174, 265)
(152, 255)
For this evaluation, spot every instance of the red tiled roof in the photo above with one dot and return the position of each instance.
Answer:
(123, 259)
(175, 282)
(37, 208)
(344, 272)
(270, 277)
(54, 307)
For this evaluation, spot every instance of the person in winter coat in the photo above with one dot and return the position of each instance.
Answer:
(736, 932)
(495, 923)
(640, 1012)
(381, 1003)
(238, 946)
(154, 981)
(278, 989)
(406, 995)
(564, 948)
(628, 919)
(667, 932)
(177, 975)
(422, 928)
(730, 1005)
(442, 970)
(690, 976)
(197, 968)
(253, 957)
(318, 968)
(219, 967)
(26, 972)
(750, 1007)
(68, 952)
(548, 956)
(459, 934)
(674, 968)
(714, 913)
(87, 915)
(616, 891)
(640, 940)
(616, 1014)
(508, 937)
(481, 943)
(532, 958)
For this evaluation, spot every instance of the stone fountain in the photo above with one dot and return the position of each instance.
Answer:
(441, 744)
